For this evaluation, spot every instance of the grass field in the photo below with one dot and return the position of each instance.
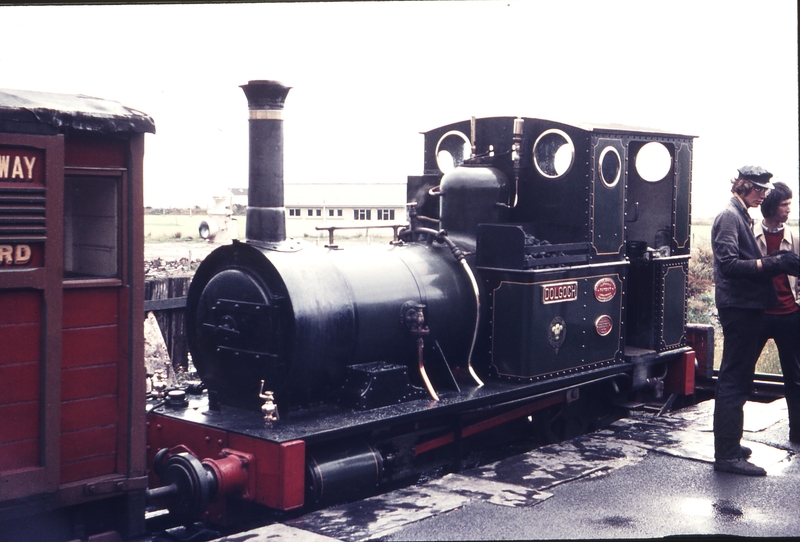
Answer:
(701, 233)
(164, 227)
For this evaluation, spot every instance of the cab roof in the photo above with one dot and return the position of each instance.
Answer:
(56, 113)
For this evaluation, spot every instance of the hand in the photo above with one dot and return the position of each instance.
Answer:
(791, 264)
(782, 261)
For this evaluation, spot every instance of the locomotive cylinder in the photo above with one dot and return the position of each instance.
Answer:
(342, 472)
(266, 215)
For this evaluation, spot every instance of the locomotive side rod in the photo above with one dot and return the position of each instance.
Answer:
(489, 423)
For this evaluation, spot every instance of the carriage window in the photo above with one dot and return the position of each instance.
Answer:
(451, 150)
(91, 227)
(653, 162)
(610, 166)
(553, 153)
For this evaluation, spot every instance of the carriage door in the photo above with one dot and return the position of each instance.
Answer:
(94, 332)
(31, 171)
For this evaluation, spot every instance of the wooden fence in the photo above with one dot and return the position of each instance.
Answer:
(165, 297)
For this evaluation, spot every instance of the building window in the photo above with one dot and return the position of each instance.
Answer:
(335, 212)
(385, 214)
(362, 214)
(294, 212)
(91, 226)
(319, 212)
(311, 212)
(338, 212)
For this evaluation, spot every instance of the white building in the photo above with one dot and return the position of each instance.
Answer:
(370, 208)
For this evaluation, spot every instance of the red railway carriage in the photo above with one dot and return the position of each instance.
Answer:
(71, 276)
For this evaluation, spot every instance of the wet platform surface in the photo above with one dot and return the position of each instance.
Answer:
(645, 476)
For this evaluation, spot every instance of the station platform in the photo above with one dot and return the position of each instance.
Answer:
(644, 476)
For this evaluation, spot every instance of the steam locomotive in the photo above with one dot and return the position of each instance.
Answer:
(541, 276)
(543, 264)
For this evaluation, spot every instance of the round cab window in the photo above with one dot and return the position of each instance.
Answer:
(553, 153)
(451, 150)
(653, 162)
(610, 166)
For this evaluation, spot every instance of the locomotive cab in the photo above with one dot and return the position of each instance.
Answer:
(624, 207)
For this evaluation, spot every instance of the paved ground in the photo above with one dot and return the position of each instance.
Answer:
(643, 477)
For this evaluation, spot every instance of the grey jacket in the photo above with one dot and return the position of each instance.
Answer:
(737, 280)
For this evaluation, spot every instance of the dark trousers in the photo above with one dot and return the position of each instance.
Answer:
(784, 329)
(740, 351)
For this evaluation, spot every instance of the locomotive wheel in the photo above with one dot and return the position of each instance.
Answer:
(559, 423)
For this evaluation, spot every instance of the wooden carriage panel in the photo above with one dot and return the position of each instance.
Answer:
(90, 346)
(83, 414)
(20, 306)
(20, 378)
(87, 454)
(84, 309)
(19, 421)
(20, 382)
(21, 342)
(90, 150)
(19, 455)
(90, 383)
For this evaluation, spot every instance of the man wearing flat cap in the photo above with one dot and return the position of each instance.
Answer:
(743, 291)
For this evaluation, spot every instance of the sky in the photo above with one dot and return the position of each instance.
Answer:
(368, 77)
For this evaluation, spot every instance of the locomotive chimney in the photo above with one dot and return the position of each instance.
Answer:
(266, 214)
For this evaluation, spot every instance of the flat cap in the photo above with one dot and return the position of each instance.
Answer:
(756, 175)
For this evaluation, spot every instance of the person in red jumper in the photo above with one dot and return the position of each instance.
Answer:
(782, 323)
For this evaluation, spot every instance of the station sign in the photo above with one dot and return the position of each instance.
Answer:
(20, 255)
(22, 180)
(22, 166)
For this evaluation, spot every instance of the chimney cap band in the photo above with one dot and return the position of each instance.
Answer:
(265, 114)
